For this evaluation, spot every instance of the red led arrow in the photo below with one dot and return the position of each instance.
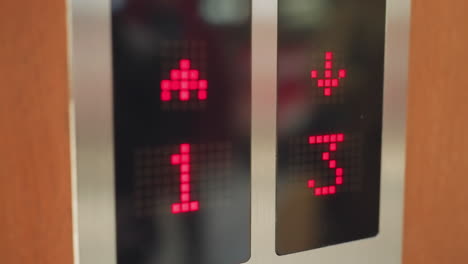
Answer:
(183, 81)
(329, 80)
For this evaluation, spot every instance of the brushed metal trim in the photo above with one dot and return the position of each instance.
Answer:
(91, 82)
(72, 135)
(264, 72)
(92, 100)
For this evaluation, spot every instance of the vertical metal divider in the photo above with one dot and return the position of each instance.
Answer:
(264, 95)
(72, 135)
(92, 140)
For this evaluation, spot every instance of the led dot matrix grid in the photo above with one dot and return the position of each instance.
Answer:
(183, 81)
(183, 160)
(332, 141)
(329, 194)
(327, 163)
(328, 78)
(181, 188)
(182, 178)
(184, 84)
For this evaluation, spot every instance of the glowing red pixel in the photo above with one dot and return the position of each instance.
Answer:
(332, 141)
(328, 82)
(183, 81)
(183, 160)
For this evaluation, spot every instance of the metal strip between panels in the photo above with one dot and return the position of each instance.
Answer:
(92, 101)
(264, 64)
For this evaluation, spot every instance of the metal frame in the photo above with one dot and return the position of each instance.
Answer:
(91, 100)
(92, 140)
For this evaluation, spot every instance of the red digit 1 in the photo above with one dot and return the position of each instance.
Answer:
(183, 161)
(331, 140)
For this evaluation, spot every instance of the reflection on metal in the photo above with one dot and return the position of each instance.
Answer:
(118, 4)
(304, 13)
(91, 96)
(225, 11)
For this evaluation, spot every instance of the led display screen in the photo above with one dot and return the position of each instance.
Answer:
(329, 122)
(182, 130)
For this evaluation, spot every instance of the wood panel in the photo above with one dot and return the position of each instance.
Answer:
(35, 199)
(436, 221)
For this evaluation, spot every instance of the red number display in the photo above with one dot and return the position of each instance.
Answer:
(183, 81)
(332, 140)
(183, 160)
(329, 79)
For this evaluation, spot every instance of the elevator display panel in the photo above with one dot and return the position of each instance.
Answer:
(182, 114)
(329, 122)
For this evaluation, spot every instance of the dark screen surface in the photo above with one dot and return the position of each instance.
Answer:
(182, 108)
(330, 92)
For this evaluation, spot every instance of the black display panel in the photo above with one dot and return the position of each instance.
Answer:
(330, 92)
(182, 107)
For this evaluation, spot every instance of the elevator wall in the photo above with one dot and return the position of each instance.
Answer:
(35, 182)
(436, 221)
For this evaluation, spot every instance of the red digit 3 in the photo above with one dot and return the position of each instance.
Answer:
(332, 140)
